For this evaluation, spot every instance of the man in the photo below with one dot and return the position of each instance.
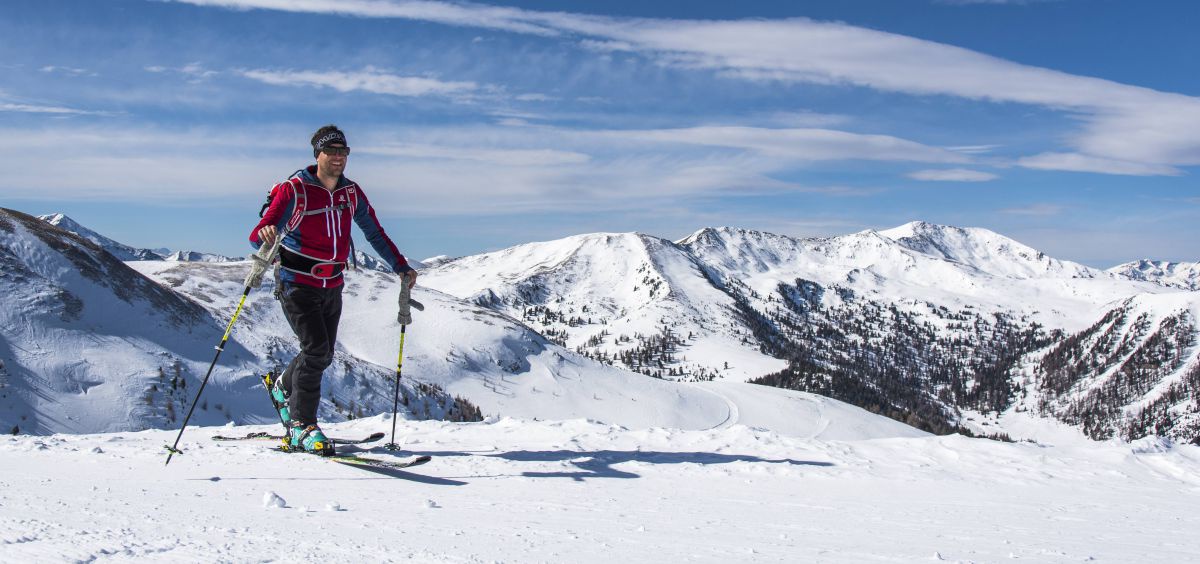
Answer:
(312, 210)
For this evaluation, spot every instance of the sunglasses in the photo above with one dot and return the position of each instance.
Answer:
(336, 151)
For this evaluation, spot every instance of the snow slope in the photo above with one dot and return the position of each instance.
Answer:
(490, 359)
(1133, 372)
(511, 490)
(89, 349)
(83, 338)
(608, 286)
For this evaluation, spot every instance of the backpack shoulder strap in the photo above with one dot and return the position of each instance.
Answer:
(300, 198)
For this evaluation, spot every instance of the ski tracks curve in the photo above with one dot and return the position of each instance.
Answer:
(732, 415)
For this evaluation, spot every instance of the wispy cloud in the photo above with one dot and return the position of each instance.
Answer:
(974, 149)
(1125, 123)
(952, 175)
(800, 144)
(507, 157)
(195, 72)
(460, 170)
(16, 105)
(367, 80)
(1035, 210)
(1076, 162)
(69, 71)
(468, 15)
(38, 109)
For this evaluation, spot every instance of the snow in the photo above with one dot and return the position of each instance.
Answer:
(576, 461)
(517, 490)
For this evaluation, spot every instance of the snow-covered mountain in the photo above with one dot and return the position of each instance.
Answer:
(89, 344)
(1184, 275)
(917, 322)
(594, 292)
(984, 250)
(125, 252)
(1134, 372)
(926, 324)
(471, 352)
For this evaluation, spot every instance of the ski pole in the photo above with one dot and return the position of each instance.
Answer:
(396, 400)
(404, 317)
(260, 260)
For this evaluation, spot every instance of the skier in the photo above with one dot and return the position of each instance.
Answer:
(312, 210)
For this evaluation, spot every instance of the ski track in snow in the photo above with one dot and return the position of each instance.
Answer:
(733, 415)
(512, 490)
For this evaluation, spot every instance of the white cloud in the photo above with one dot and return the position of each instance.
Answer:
(72, 71)
(1124, 123)
(468, 15)
(974, 149)
(39, 109)
(952, 175)
(802, 144)
(367, 80)
(506, 157)
(1042, 210)
(15, 105)
(461, 170)
(196, 71)
(1076, 162)
(535, 98)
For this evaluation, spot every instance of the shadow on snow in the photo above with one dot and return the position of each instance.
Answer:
(600, 464)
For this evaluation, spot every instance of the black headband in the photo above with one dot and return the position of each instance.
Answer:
(329, 139)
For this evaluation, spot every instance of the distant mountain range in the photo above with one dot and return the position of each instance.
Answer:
(943, 328)
(925, 323)
(1183, 275)
(89, 343)
(125, 252)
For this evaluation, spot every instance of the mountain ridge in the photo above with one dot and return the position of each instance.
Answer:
(737, 303)
(923, 323)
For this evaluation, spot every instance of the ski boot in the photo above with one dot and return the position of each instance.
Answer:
(279, 398)
(310, 439)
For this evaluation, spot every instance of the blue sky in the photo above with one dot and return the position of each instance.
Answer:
(1070, 125)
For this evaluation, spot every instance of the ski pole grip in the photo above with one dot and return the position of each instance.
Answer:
(404, 315)
(260, 261)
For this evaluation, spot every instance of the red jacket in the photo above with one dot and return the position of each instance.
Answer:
(315, 226)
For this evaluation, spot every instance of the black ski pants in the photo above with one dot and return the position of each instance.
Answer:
(314, 314)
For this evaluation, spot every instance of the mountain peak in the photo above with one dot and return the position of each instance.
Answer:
(984, 250)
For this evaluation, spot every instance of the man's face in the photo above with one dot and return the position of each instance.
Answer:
(333, 164)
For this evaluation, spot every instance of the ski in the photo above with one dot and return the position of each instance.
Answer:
(397, 464)
(353, 460)
(264, 436)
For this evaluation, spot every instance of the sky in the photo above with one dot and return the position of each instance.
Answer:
(1069, 125)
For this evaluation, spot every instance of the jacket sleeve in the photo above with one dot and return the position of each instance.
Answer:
(277, 213)
(364, 216)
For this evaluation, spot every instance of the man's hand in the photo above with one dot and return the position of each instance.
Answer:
(266, 235)
(410, 278)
